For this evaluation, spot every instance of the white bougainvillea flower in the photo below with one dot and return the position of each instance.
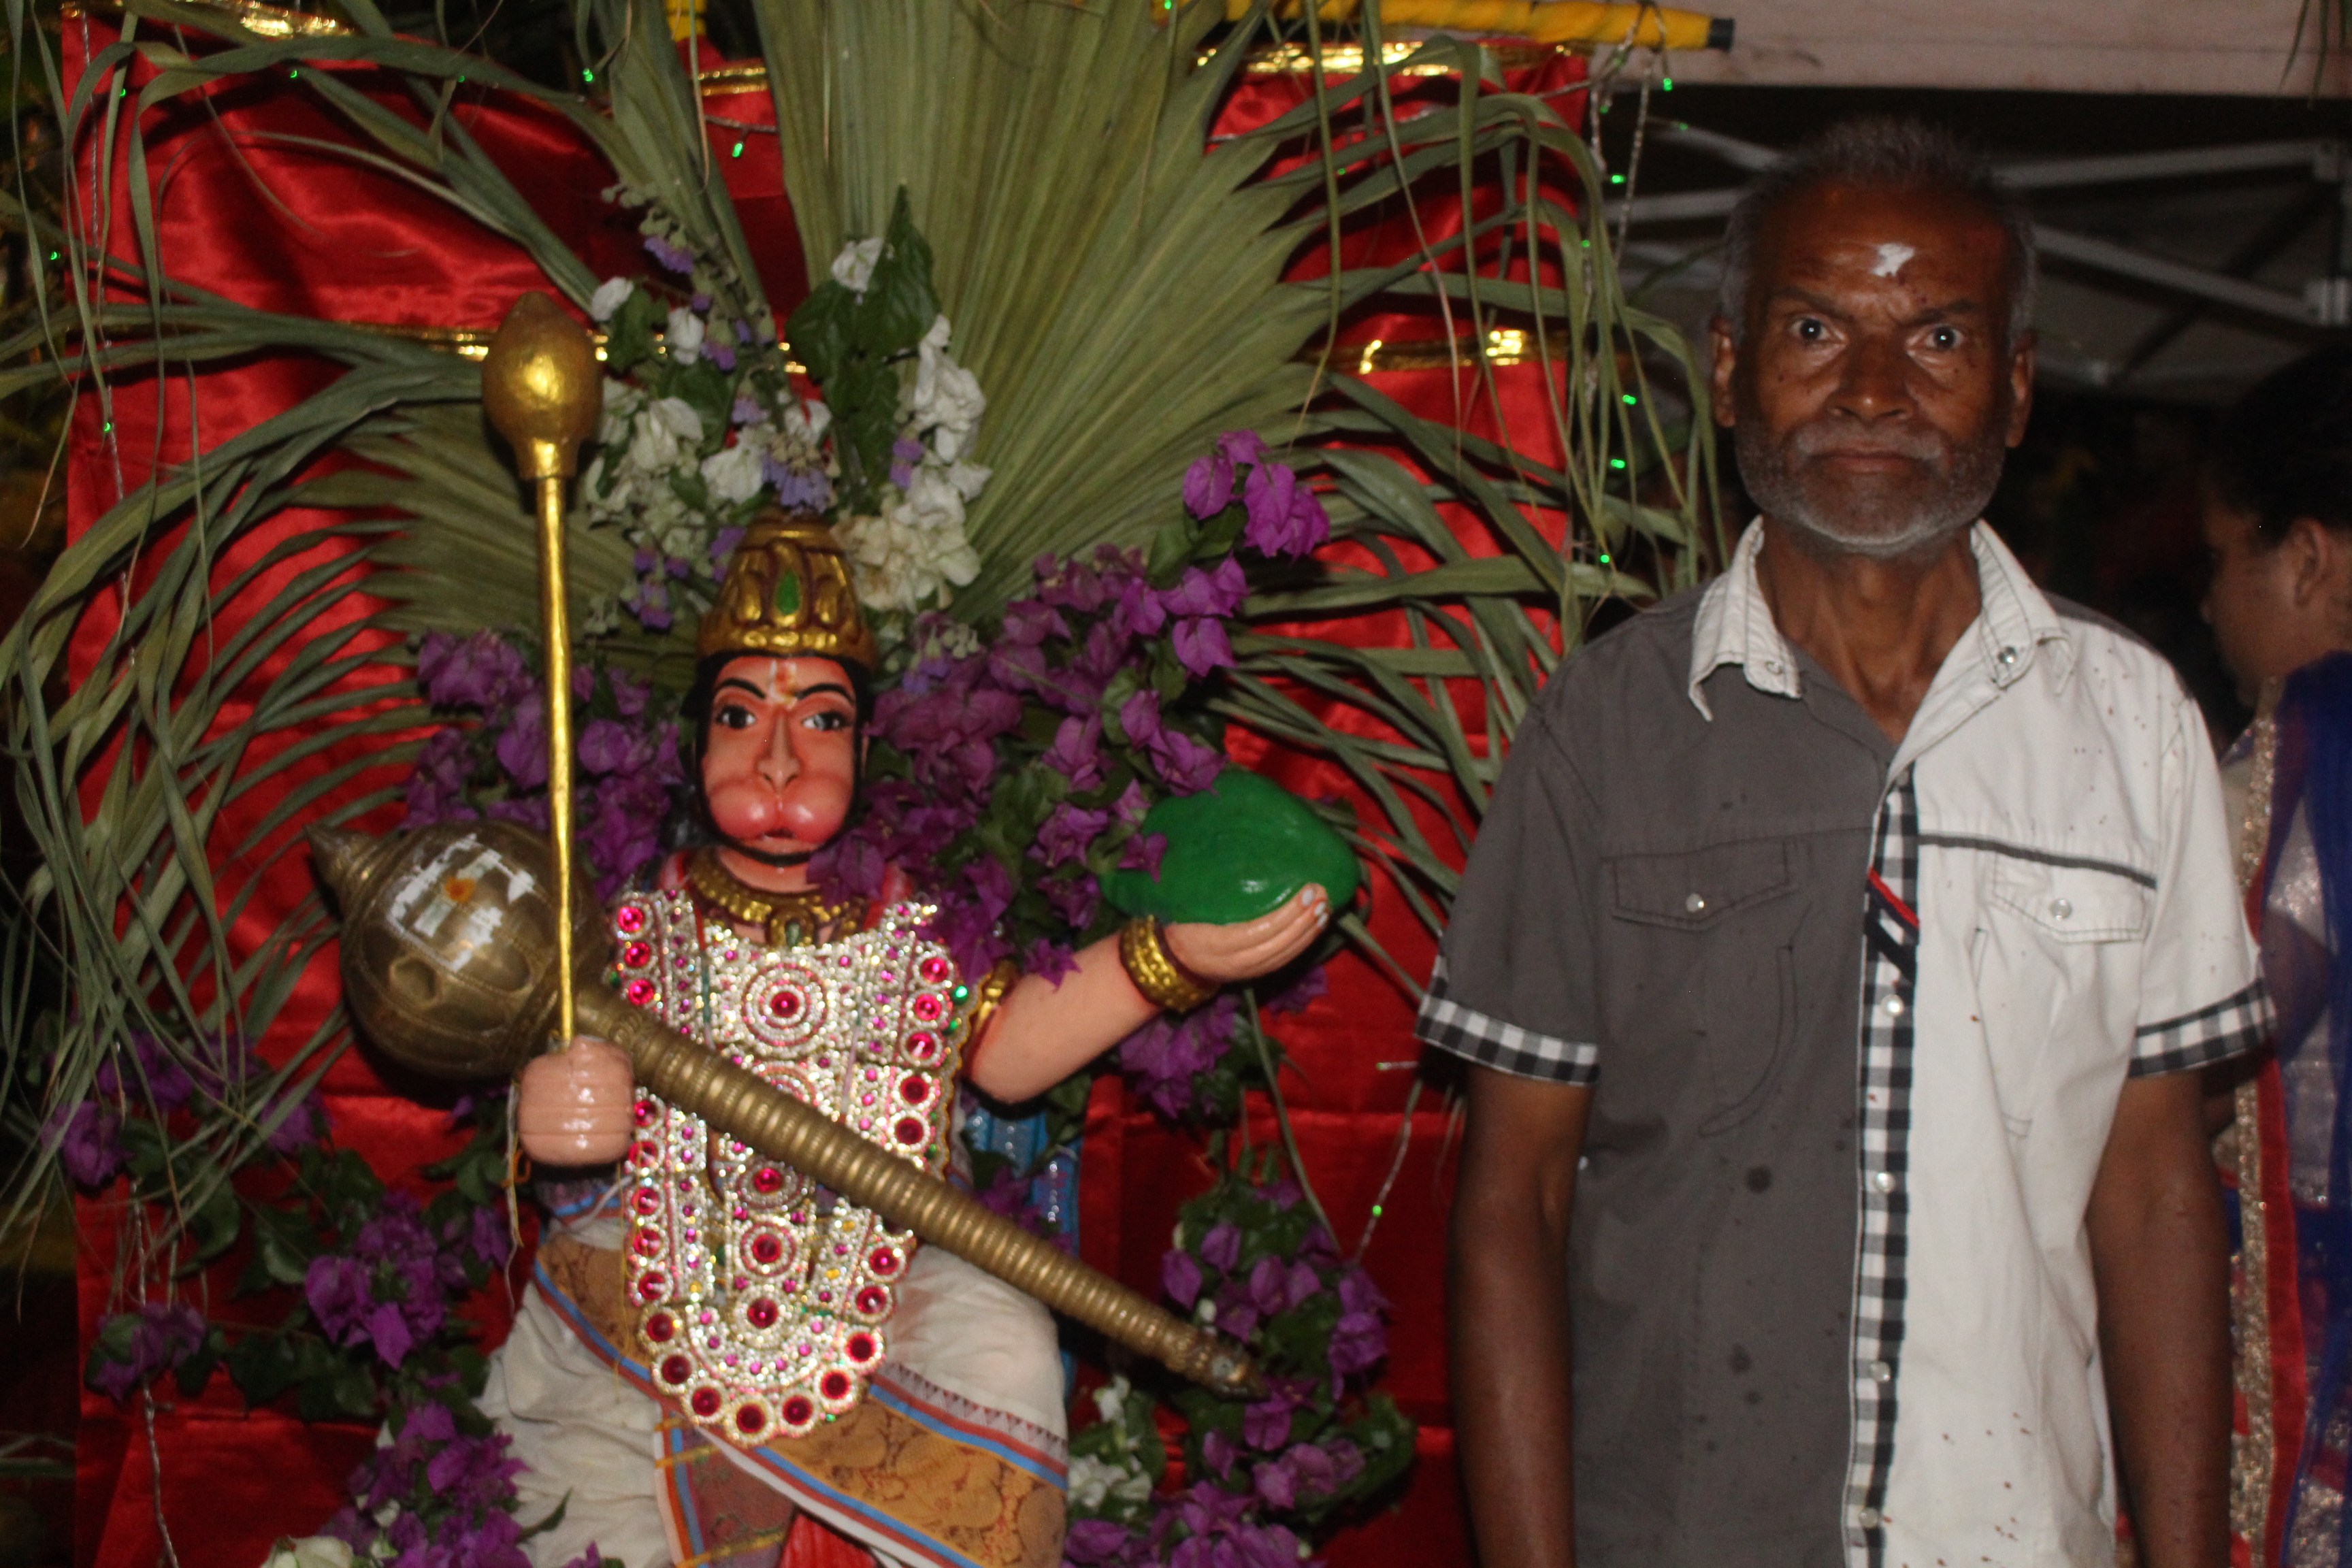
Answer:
(854, 267)
(735, 473)
(684, 336)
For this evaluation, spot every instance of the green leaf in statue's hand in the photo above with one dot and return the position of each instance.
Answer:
(629, 335)
(818, 332)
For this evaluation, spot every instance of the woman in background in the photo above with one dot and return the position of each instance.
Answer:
(2278, 525)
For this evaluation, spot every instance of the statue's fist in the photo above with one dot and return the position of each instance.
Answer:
(1247, 948)
(572, 1106)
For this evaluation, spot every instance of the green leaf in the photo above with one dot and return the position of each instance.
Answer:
(819, 330)
(629, 335)
(262, 1366)
(898, 306)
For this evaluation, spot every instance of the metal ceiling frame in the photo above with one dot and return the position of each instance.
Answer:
(2324, 302)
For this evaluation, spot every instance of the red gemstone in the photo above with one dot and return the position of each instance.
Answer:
(654, 1286)
(786, 1004)
(928, 1007)
(767, 1249)
(914, 1089)
(751, 1419)
(934, 970)
(799, 1411)
(884, 1262)
(647, 1201)
(639, 992)
(874, 1300)
(836, 1385)
(645, 1110)
(861, 1348)
(767, 1180)
(761, 1313)
(677, 1369)
(645, 1151)
(648, 1244)
(705, 1403)
(923, 1047)
(912, 1131)
(660, 1327)
(630, 917)
(637, 954)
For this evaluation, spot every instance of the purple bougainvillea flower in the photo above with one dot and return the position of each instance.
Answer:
(677, 257)
(157, 1079)
(1049, 960)
(1138, 612)
(1068, 832)
(1077, 753)
(1143, 853)
(436, 790)
(479, 671)
(1284, 518)
(1241, 447)
(747, 410)
(1266, 1425)
(1217, 591)
(521, 750)
(1222, 1248)
(162, 1337)
(1209, 485)
(1217, 1452)
(1360, 1339)
(606, 746)
(302, 1126)
(1179, 1276)
(1202, 648)
(1092, 1542)
(89, 1143)
(1075, 900)
(1296, 997)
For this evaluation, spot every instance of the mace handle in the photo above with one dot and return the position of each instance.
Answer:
(747, 1108)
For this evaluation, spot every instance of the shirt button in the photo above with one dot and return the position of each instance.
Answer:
(1882, 1180)
(1881, 1373)
(2059, 908)
(2009, 656)
(1895, 1005)
(1694, 903)
(1869, 1519)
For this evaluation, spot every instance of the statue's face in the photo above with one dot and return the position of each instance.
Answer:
(780, 759)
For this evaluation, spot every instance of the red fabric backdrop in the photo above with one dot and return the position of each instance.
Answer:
(271, 226)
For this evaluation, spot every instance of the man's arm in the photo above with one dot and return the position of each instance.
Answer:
(1508, 1281)
(2160, 1249)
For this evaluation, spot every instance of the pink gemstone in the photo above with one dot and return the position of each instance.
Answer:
(647, 1201)
(884, 1262)
(767, 1180)
(934, 970)
(844, 960)
(637, 954)
(923, 1047)
(928, 1007)
(643, 1111)
(639, 990)
(706, 1316)
(630, 917)
(864, 1100)
(652, 1285)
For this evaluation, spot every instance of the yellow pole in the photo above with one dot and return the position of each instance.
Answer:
(541, 391)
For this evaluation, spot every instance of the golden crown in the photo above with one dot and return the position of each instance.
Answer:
(788, 593)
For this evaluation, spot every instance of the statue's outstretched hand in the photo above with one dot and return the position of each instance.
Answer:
(1247, 948)
(574, 1107)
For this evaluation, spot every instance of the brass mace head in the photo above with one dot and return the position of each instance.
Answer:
(542, 388)
(449, 945)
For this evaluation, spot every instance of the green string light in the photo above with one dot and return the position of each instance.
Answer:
(739, 150)
(1604, 558)
(1630, 400)
(1668, 85)
(1616, 462)
(1616, 179)
(587, 76)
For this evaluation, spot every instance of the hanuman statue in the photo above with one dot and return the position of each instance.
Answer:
(712, 1345)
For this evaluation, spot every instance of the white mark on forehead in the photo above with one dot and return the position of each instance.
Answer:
(1892, 258)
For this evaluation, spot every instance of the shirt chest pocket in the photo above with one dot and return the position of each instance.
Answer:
(2055, 962)
(1701, 967)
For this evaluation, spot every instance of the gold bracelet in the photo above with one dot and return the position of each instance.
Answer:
(1165, 984)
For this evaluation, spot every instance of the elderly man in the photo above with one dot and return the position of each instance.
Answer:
(1833, 965)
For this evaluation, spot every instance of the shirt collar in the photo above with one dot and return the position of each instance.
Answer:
(1733, 624)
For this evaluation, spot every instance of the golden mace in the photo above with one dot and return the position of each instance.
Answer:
(448, 931)
(540, 389)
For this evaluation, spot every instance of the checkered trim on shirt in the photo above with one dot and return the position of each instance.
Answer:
(1889, 984)
(2229, 1028)
(1507, 1047)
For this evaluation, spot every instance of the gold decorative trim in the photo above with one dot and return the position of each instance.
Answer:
(987, 995)
(1505, 345)
(1347, 59)
(1164, 983)
(2253, 1456)
(789, 919)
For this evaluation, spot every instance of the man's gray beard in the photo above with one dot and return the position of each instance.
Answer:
(1964, 479)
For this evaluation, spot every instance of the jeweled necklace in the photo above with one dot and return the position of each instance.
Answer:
(791, 919)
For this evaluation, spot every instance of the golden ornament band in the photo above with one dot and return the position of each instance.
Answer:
(541, 391)
(1165, 984)
(787, 593)
(791, 919)
(987, 997)
(1544, 21)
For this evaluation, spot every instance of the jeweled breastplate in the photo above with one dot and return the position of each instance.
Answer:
(763, 1299)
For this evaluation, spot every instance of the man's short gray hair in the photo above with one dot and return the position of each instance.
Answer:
(1888, 155)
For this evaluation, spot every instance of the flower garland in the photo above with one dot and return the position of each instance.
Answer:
(703, 426)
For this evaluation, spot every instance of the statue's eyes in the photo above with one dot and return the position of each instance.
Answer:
(827, 719)
(732, 716)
